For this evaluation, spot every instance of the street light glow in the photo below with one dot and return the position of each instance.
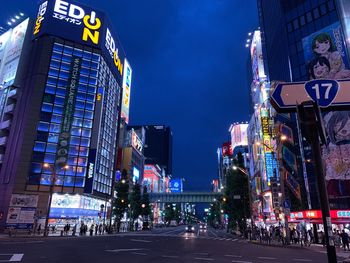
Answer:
(283, 137)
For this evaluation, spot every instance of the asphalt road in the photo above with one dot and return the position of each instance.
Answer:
(158, 245)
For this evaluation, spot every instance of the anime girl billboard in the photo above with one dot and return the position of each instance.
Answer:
(324, 53)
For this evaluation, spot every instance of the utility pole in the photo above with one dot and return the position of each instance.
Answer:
(312, 129)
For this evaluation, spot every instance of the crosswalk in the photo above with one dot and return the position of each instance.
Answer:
(207, 235)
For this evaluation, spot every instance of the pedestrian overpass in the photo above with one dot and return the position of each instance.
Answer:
(184, 197)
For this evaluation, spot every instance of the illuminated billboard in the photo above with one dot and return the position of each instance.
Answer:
(175, 185)
(135, 174)
(82, 24)
(151, 178)
(126, 91)
(74, 206)
(136, 142)
(257, 58)
(11, 44)
(227, 149)
(239, 136)
(325, 54)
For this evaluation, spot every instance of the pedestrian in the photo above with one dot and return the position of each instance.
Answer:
(96, 229)
(345, 240)
(91, 229)
(323, 239)
(136, 226)
(39, 229)
(74, 230)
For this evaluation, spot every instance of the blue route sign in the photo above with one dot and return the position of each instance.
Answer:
(330, 94)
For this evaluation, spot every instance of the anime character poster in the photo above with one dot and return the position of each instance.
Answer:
(325, 55)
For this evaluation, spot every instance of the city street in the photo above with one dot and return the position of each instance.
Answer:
(159, 245)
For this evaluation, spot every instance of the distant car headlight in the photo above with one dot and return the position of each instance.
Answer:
(186, 228)
(192, 228)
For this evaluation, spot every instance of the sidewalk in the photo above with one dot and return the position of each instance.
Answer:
(314, 247)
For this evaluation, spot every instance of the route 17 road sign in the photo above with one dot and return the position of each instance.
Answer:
(330, 94)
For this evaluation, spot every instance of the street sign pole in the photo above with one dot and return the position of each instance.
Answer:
(312, 129)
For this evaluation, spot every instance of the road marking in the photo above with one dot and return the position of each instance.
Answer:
(235, 239)
(201, 253)
(13, 257)
(266, 258)
(21, 242)
(138, 253)
(238, 261)
(124, 250)
(206, 259)
(16, 257)
(302, 259)
(165, 256)
(233, 256)
(141, 240)
(213, 233)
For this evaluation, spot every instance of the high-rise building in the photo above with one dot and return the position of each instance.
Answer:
(63, 133)
(304, 40)
(158, 146)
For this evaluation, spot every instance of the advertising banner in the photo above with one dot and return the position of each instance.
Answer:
(325, 54)
(75, 206)
(21, 213)
(293, 185)
(126, 91)
(257, 58)
(13, 44)
(68, 112)
(20, 200)
(83, 24)
(239, 135)
(175, 186)
(227, 149)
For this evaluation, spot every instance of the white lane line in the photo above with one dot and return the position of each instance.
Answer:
(213, 233)
(21, 242)
(302, 259)
(124, 250)
(165, 256)
(16, 258)
(233, 256)
(235, 239)
(239, 261)
(206, 259)
(266, 258)
(141, 240)
(138, 253)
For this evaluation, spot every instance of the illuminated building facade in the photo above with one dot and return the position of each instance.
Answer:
(67, 114)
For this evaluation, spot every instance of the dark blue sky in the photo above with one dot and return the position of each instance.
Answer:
(189, 71)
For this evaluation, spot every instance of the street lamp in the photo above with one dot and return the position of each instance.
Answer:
(52, 183)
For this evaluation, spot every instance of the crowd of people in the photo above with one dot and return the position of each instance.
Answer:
(299, 235)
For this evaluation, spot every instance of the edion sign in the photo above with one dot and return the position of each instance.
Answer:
(113, 51)
(40, 17)
(82, 24)
(74, 14)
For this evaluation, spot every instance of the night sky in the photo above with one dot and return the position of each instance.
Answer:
(189, 71)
